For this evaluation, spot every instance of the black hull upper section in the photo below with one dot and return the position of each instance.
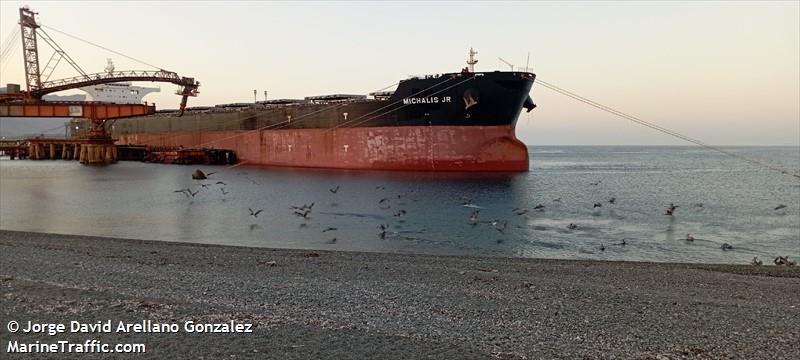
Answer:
(459, 99)
(464, 99)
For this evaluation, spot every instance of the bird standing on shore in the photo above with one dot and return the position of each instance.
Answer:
(726, 246)
(756, 262)
(689, 237)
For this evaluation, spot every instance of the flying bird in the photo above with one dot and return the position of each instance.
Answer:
(330, 229)
(221, 183)
(671, 209)
(255, 213)
(302, 214)
(613, 200)
(539, 207)
(781, 206)
(473, 218)
(597, 205)
(501, 229)
(596, 183)
(400, 213)
(334, 190)
(223, 191)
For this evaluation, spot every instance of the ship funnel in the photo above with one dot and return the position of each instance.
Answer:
(529, 104)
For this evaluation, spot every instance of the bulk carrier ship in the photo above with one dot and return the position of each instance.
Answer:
(461, 121)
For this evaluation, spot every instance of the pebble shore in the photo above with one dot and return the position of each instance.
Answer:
(309, 304)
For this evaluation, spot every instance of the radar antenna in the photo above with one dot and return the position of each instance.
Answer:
(472, 60)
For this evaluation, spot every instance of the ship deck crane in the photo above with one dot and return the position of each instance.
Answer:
(507, 63)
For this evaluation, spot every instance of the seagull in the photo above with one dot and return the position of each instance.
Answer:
(330, 229)
(192, 193)
(383, 200)
(255, 213)
(727, 246)
(303, 214)
(623, 243)
(221, 183)
(783, 260)
(383, 228)
(334, 190)
(184, 191)
(671, 209)
(781, 206)
(501, 229)
(400, 213)
(380, 187)
(596, 183)
(539, 207)
(223, 191)
(519, 211)
(613, 200)
(473, 218)
(756, 261)
(572, 226)
(205, 186)
(602, 247)
(302, 208)
(211, 173)
(597, 205)
(332, 241)
(689, 237)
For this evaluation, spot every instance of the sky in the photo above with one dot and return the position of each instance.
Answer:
(727, 73)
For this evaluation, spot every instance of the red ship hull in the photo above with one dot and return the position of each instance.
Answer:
(410, 148)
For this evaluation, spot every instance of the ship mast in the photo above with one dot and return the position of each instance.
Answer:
(472, 60)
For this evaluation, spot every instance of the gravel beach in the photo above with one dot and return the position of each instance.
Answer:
(306, 304)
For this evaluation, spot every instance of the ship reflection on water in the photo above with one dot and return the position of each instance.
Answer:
(549, 212)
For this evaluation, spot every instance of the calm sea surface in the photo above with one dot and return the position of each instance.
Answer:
(720, 200)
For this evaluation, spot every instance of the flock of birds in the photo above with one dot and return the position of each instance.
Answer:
(304, 211)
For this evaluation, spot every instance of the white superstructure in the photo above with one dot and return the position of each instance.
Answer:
(119, 93)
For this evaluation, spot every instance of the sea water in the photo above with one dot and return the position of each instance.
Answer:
(719, 199)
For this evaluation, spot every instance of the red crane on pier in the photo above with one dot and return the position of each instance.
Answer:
(29, 103)
(99, 147)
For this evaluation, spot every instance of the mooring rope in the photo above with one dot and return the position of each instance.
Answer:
(663, 129)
